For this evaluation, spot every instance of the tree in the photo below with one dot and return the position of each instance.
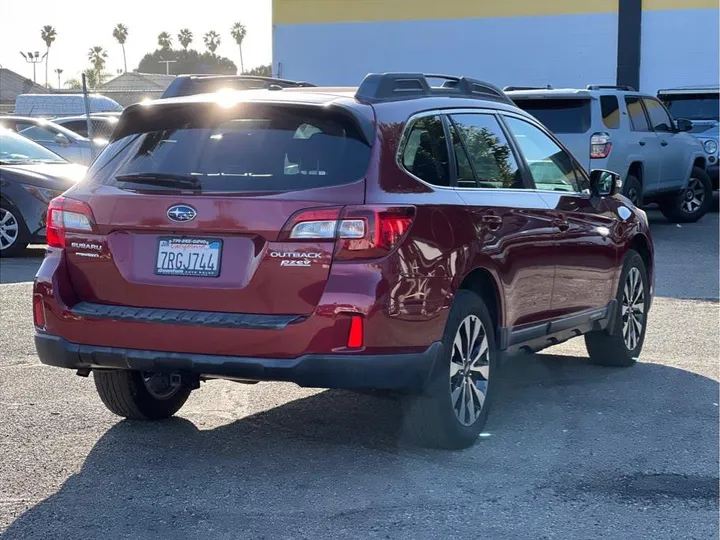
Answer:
(261, 71)
(95, 77)
(238, 33)
(212, 41)
(97, 57)
(120, 33)
(165, 41)
(48, 35)
(187, 62)
(73, 84)
(185, 38)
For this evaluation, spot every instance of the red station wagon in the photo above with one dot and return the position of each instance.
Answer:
(404, 236)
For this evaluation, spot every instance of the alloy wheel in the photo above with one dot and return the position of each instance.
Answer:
(9, 229)
(469, 370)
(693, 197)
(161, 385)
(633, 309)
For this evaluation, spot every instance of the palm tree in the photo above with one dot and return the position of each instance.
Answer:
(238, 33)
(185, 38)
(212, 41)
(97, 57)
(120, 33)
(48, 35)
(164, 40)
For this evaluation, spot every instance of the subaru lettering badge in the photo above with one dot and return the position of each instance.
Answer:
(181, 213)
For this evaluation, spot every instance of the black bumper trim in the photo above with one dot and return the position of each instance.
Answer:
(246, 321)
(388, 372)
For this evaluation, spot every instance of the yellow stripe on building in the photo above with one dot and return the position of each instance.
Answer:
(330, 11)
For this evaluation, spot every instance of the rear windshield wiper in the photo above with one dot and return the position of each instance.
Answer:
(179, 181)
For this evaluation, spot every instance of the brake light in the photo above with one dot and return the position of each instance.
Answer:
(67, 215)
(600, 145)
(355, 337)
(38, 312)
(362, 232)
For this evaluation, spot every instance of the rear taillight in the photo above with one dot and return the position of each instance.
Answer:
(38, 312)
(363, 232)
(67, 215)
(600, 145)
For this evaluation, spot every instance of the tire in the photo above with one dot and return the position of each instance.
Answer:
(126, 394)
(632, 189)
(13, 231)
(693, 202)
(613, 346)
(431, 418)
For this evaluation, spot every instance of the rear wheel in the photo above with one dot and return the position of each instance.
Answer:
(621, 344)
(141, 395)
(693, 202)
(452, 411)
(632, 189)
(13, 231)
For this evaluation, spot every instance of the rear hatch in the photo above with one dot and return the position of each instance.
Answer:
(189, 202)
(568, 117)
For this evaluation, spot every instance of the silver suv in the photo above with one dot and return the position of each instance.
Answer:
(619, 129)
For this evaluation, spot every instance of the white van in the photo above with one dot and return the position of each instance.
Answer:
(54, 105)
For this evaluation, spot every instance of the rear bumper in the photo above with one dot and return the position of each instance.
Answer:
(391, 371)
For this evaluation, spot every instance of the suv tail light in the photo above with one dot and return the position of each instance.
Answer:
(600, 145)
(362, 232)
(67, 215)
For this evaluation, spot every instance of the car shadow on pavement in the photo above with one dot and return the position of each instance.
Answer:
(338, 463)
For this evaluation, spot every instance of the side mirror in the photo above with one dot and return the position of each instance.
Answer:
(604, 183)
(683, 124)
(62, 140)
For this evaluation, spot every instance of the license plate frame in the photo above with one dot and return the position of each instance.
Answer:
(215, 244)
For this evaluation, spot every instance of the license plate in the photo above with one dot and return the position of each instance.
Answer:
(188, 257)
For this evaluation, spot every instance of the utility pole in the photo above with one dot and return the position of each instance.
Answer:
(167, 65)
(59, 72)
(34, 59)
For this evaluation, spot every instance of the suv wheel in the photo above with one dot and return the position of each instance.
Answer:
(693, 202)
(453, 409)
(13, 231)
(632, 189)
(621, 344)
(141, 395)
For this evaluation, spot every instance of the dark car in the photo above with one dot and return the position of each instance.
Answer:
(30, 176)
(102, 126)
(190, 85)
(401, 237)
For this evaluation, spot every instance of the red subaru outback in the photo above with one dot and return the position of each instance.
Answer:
(397, 236)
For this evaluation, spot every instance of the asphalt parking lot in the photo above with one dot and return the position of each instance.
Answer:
(570, 451)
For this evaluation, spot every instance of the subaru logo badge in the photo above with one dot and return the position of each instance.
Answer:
(181, 213)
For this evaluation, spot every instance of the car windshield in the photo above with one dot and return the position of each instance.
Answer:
(693, 106)
(265, 150)
(559, 115)
(15, 148)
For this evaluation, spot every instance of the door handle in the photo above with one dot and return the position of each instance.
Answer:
(663, 143)
(642, 143)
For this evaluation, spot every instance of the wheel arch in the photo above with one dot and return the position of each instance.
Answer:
(484, 283)
(699, 162)
(636, 169)
(641, 244)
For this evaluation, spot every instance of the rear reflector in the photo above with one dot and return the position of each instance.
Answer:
(67, 215)
(38, 312)
(355, 337)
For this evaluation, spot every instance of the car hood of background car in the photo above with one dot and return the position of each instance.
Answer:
(48, 175)
(708, 128)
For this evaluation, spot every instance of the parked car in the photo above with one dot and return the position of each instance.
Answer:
(188, 85)
(102, 126)
(700, 105)
(633, 134)
(30, 176)
(51, 105)
(401, 236)
(54, 137)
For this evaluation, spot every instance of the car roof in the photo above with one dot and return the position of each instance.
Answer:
(696, 89)
(61, 119)
(545, 93)
(41, 121)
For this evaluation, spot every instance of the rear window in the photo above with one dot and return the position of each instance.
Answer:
(559, 115)
(271, 149)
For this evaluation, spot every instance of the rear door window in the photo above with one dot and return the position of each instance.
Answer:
(560, 115)
(272, 149)
(659, 118)
(425, 153)
(638, 120)
(610, 111)
(480, 138)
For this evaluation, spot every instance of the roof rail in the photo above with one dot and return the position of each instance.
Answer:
(624, 87)
(393, 86)
(512, 88)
